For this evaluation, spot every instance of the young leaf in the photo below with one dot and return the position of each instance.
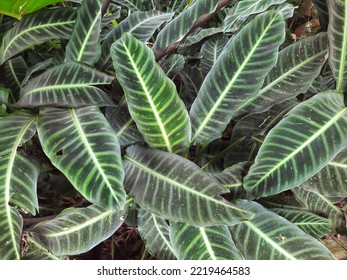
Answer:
(211, 50)
(15, 70)
(331, 180)
(199, 243)
(308, 222)
(66, 85)
(237, 75)
(132, 5)
(322, 206)
(37, 28)
(174, 32)
(154, 104)
(84, 43)
(274, 238)
(176, 189)
(81, 144)
(141, 25)
(244, 9)
(337, 32)
(77, 230)
(18, 178)
(288, 155)
(154, 231)
(297, 67)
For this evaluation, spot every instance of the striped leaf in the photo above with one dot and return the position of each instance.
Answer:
(36, 69)
(77, 230)
(237, 76)
(132, 5)
(211, 50)
(66, 85)
(124, 126)
(81, 144)
(18, 178)
(231, 179)
(192, 80)
(15, 70)
(199, 243)
(84, 43)
(337, 32)
(19, 8)
(154, 104)
(141, 25)
(35, 250)
(199, 36)
(172, 65)
(288, 155)
(154, 231)
(322, 8)
(323, 206)
(176, 189)
(308, 222)
(297, 67)
(331, 180)
(176, 5)
(37, 28)
(245, 9)
(174, 32)
(274, 238)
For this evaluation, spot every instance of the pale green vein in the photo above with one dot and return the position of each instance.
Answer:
(343, 52)
(161, 234)
(207, 243)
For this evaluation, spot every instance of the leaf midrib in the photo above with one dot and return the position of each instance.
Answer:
(80, 226)
(33, 29)
(343, 53)
(302, 146)
(91, 153)
(207, 243)
(267, 239)
(150, 100)
(10, 164)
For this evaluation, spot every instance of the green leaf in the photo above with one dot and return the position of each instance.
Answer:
(331, 180)
(84, 44)
(199, 36)
(176, 189)
(274, 238)
(81, 144)
(34, 250)
(19, 8)
(172, 65)
(66, 85)
(154, 231)
(37, 28)
(297, 67)
(322, 206)
(192, 81)
(288, 155)
(211, 50)
(18, 178)
(15, 70)
(124, 126)
(199, 243)
(231, 179)
(233, 78)
(245, 9)
(337, 32)
(308, 222)
(174, 32)
(132, 5)
(141, 25)
(154, 104)
(77, 230)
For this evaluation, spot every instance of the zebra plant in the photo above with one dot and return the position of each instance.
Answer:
(224, 139)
